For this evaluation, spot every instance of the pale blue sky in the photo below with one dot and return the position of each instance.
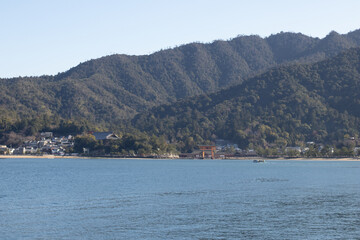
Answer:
(49, 36)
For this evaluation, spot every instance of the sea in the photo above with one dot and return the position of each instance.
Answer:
(178, 199)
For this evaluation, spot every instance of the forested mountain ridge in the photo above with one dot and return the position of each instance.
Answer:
(111, 88)
(285, 106)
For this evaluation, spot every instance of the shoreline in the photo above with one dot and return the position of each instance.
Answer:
(238, 158)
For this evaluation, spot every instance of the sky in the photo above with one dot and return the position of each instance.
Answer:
(45, 37)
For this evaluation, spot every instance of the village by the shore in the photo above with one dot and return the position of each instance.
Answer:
(50, 146)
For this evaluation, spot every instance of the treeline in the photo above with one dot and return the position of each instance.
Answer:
(127, 145)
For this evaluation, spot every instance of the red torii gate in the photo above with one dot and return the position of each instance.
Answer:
(211, 148)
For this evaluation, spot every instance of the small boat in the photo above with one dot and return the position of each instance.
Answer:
(258, 160)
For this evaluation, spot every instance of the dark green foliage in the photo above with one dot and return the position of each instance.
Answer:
(127, 145)
(14, 133)
(84, 141)
(285, 106)
(44, 123)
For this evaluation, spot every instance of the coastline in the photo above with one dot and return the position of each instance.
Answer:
(345, 159)
(39, 156)
(237, 158)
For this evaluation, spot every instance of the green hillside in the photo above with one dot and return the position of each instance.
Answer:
(285, 106)
(106, 90)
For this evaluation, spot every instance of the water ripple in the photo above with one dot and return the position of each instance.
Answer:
(271, 180)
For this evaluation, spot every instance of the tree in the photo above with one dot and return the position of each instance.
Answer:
(84, 141)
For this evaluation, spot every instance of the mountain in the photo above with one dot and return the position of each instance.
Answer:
(106, 90)
(284, 106)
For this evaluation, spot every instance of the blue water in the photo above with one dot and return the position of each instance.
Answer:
(178, 199)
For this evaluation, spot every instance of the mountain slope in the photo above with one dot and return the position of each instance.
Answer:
(284, 106)
(116, 87)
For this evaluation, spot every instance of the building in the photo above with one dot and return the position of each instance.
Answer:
(46, 135)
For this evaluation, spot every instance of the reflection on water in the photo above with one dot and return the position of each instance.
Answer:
(178, 199)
